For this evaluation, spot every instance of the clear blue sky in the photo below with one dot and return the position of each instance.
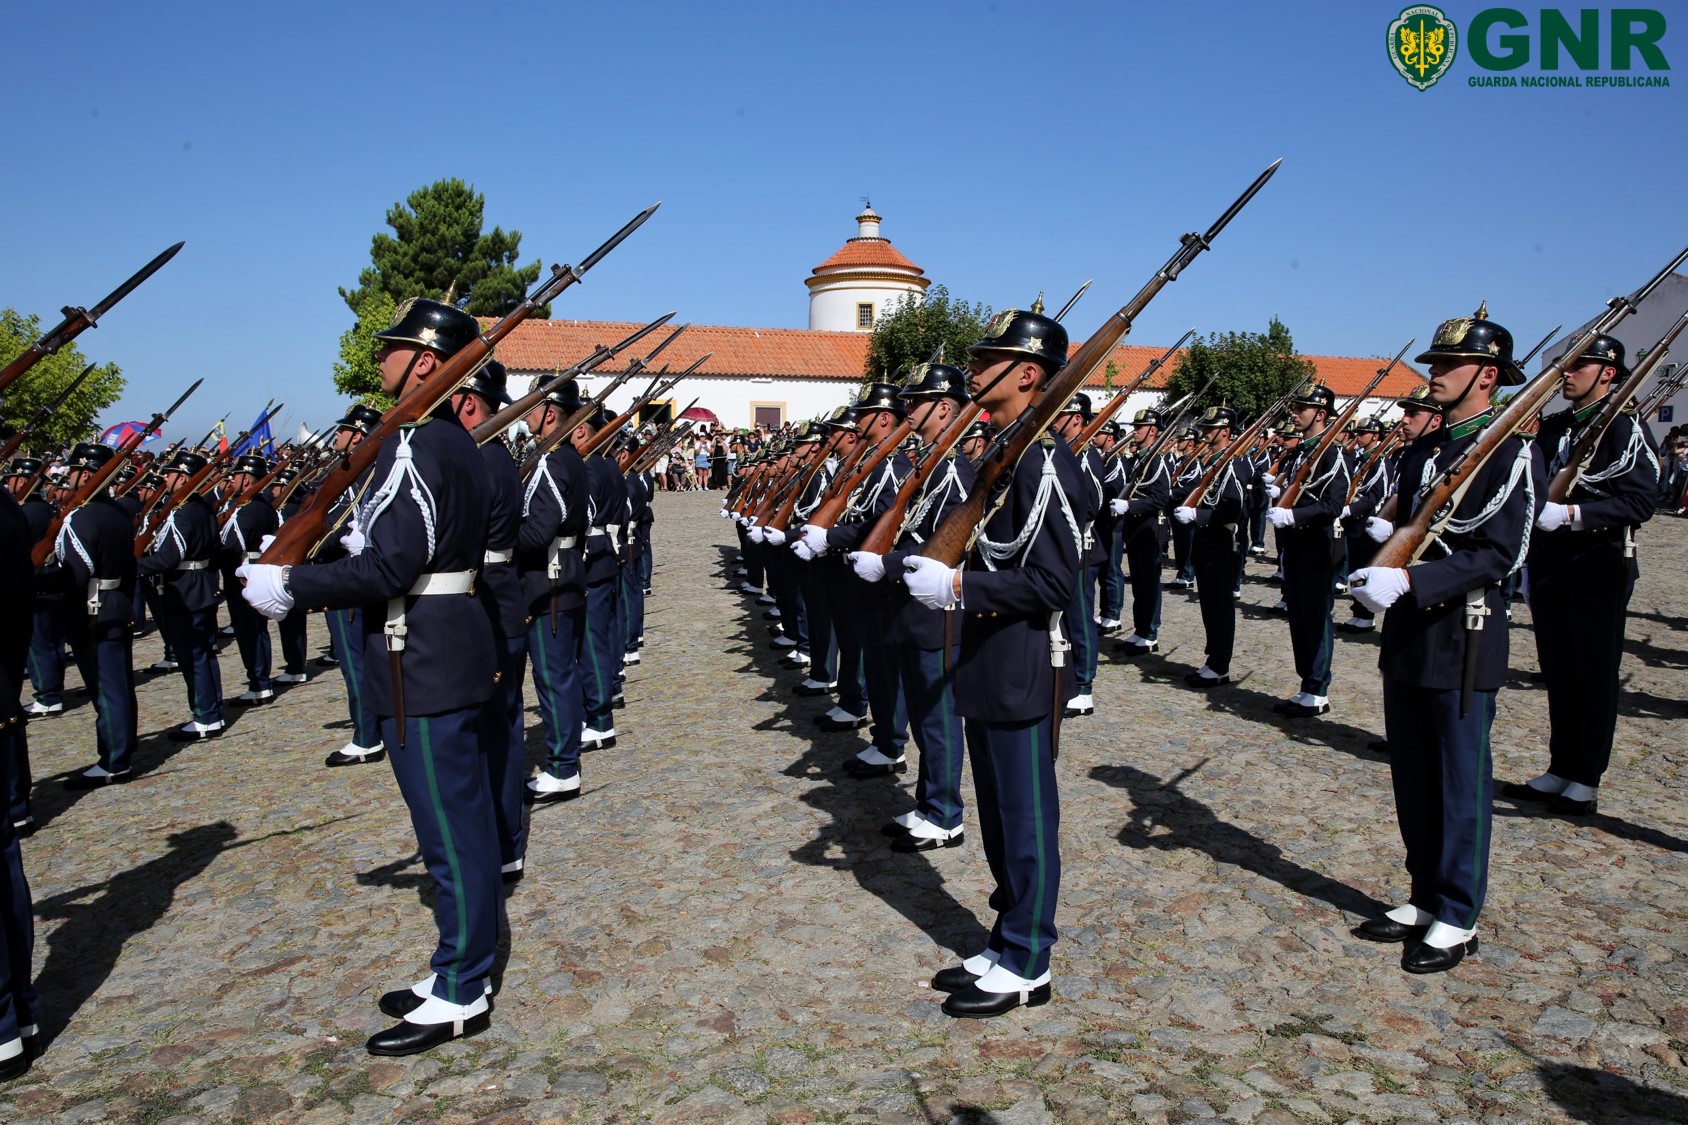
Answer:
(1010, 146)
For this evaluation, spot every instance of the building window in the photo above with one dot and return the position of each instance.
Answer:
(864, 315)
(769, 415)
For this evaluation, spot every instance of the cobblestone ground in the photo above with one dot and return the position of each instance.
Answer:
(716, 932)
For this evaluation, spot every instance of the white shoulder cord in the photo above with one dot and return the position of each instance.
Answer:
(170, 531)
(852, 508)
(543, 473)
(929, 498)
(1048, 483)
(824, 477)
(1520, 472)
(1633, 451)
(1226, 480)
(1341, 466)
(67, 535)
(404, 470)
(234, 529)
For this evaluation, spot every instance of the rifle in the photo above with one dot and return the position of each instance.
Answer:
(96, 480)
(1662, 391)
(954, 536)
(1333, 430)
(508, 416)
(1183, 406)
(891, 523)
(826, 513)
(566, 430)
(151, 522)
(78, 320)
(296, 538)
(776, 511)
(652, 393)
(42, 413)
(1438, 500)
(1616, 399)
(1094, 426)
(1243, 440)
(652, 450)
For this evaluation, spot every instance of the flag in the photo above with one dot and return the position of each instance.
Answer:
(221, 437)
(116, 435)
(258, 439)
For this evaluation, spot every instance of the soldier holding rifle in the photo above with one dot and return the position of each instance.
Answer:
(1216, 518)
(244, 530)
(1144, 481)
(180, 560)
(345, 626)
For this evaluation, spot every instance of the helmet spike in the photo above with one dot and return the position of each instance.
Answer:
(1037, 305)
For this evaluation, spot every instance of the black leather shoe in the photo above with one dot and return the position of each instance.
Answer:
(1515, 791)
(912, 843)
(1565, 806)
(1388, 931)
(15, 1067)
(183, 734)
(400, 1003)
(974, 1003)
(1197, 680)
(1378, 746)
(326, 662)
(1127, 649)
(413, 1038)
(339, 758)
(893, 830)
(1422, 958)
(1076, 712)
(956, 979)
(1289, 709)
(857, 768)
(81, 782)
(812, 691)
(829, 724)
(25, 828)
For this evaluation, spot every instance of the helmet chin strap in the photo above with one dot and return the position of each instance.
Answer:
(1466, 392)
(415, 356)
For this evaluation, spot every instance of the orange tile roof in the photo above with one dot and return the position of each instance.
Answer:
(548, 345)
(869, 253)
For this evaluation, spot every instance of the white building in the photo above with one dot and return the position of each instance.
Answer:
(851, 290)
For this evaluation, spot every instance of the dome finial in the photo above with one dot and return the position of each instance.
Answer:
(1483, 310)
(1037, 305)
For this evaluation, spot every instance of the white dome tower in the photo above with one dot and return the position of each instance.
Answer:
(850, 291)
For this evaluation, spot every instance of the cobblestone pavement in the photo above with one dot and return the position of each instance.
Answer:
(716, 931)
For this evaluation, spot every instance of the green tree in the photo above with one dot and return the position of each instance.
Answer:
(1253, 369)
(437, 248)
(912, 328)
(42, 384)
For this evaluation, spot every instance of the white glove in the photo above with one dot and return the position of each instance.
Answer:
(1346, 512)
(815, 537)
(755, 534)
(773, 535)
(1273, 492)
(801, 550)
(931, 582)
(1378, 587)
(725, 514)
(1553, 516)
(1378, 528)
(1269, 478)
(354, 542)
(266, 589)
(868, 566)
(264, 543)
(1117, 507)
(1281, 517)
(1184, 514)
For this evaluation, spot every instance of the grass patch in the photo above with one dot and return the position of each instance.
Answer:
(1306, 1025)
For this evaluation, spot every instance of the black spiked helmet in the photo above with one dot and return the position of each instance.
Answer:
(361, 418)
(1216, 416)
(844, 418)
(1029, 334)
(188, 461)
(24, 467)
(1079, 404)
(251, 463)
(879, 396)
(1608, 351)
(1148, 416)
(90, 455)
(1475, 337)
(431, 324)
(1370, 426)
(490, 382)
(934, 380)
(1419, 399)
(1320, 396)
(979, 428)
(562, 393)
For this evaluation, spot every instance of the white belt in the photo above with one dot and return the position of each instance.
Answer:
(497, 557)
(444, 582)
(554, 554)
(252, 556)
(194, 564)
(98, 586)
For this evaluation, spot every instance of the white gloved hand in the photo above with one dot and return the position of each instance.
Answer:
(264, 543)
(1281, 517)
(1184, 514)
(755, 534)
(266, 589)
(1378, 587)
(1346, 511)
(1117, 507)
(801, 550)
(354, 542)
(1273, 492)
(868, 566)
(1378, 528)
(931, 582)
(1269, 478)
(1553, 516)
(774, 535)
(725, 514)
(815, 536)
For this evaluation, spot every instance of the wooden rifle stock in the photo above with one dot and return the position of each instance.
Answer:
(889, 526)
(826, 513)
(152, 520)
(780, 494)
(613, 426)
(1238, 447)
(1373, 456)
(42, 413)
(1112, 406)
(954, 536)
(1291, 490)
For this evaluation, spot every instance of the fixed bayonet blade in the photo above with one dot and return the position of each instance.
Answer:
(1540, 344)
(1390, 366)
(616, 239)
(68, 391)
(165, 417)
(1073, 300)
(128, 287)
(1242, 201)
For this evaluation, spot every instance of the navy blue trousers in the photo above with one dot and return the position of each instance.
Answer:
(929, 687)
(647, 564)
(1310, 596)
(1257, 504)
(633, 599)
(885, 703)
(1113, 578)
(345, 638)
(831, 574)
(1360, 548)
(1079, 623)
(293, 645)
(46, 651)
(823, 645)
(555, 649)
(1183, 537)
(17, 931)
(599, 664)
(192, 635)
(252, 635)
(14, 748)
(784, 571)
(1019, 811)
(1143, 550)
(1580, 614)
(1442, 772)
(505, 747)
(443, 775)
(104, 654)
(1215, 553)
(751, 552)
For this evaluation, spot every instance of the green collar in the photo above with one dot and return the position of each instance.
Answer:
(1583, 413)
(1470, 426)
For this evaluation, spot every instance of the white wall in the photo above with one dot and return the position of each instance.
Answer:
(730, 399)
(832, 306)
